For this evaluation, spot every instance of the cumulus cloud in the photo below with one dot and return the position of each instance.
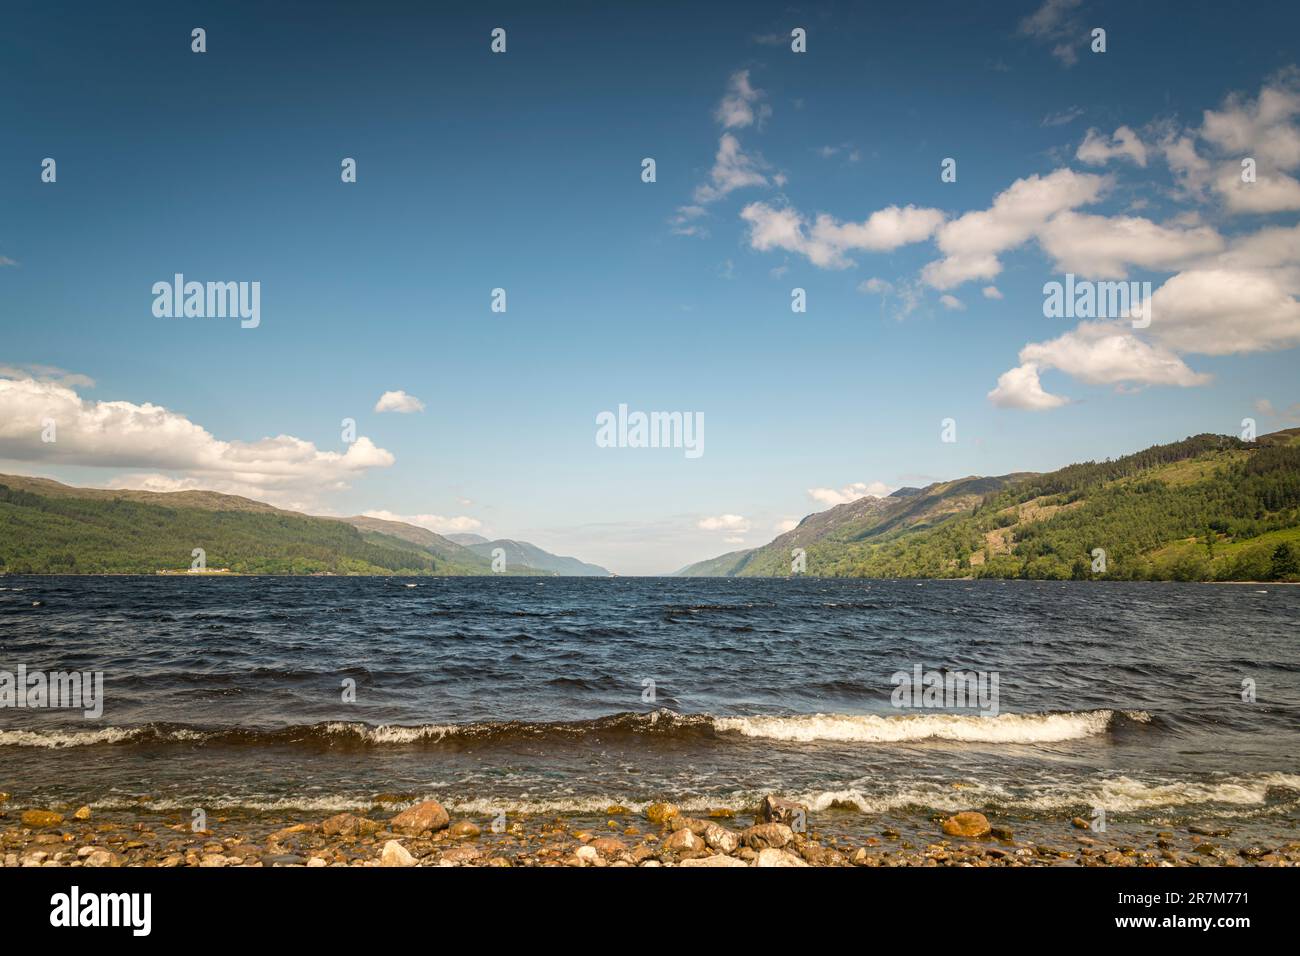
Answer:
(118, 434)
(991, 292)
(399, 402)
(435, 523)
(1098, 353)
(785, 524)
(1107, 246)
(1226, 311)
(850, 492)
(952, 303)
(1097, 150)
(826, 240)
(972, 243)
(1021, 387)
(734, 524)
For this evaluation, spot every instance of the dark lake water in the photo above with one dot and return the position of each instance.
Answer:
(531, 695)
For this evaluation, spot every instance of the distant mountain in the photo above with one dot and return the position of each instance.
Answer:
(1211, 507)
(523, 554)
(50, 528)
(467, 538)
(436, 544)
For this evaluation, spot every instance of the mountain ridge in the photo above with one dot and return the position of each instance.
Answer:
(1209, 507)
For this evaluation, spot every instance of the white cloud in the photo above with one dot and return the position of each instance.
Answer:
(399, 402)
(876, 286)
(740, 106)
(1097, 150)
(1054, 23)
(1226, 311)
(47, 373)
(850, 492)
(118, 434)
(1020, 387)
(1272, 191)
(952, 303)
(1109, 353)
(826, 240)
(435, 523)
(991, 292)
(1106, 246)
(732, 169)
(785, 524)
(736, 524)
(1098, 353)
(971, 244)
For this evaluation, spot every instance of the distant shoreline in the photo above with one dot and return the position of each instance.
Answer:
(596, 577)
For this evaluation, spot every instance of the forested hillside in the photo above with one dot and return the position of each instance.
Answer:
(1210, 507)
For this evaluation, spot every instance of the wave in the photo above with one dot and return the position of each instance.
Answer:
(964, 728)
(805, 728)
(1252, 794)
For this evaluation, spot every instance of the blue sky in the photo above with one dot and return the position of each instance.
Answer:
(522, 171)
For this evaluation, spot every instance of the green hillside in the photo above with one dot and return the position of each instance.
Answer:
(50, 528)
(1210, 507)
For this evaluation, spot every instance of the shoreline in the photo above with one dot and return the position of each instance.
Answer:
(779, 833)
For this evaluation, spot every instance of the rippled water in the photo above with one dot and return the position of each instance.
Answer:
(530, 694)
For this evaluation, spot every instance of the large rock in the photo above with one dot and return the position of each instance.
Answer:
(775, 810)
(343, 824)
(464, 830)
(660, 812)
(41, 818)
(967, 824)
(720, 838)
(774, 857)
(682, 841)
(720, 859)
(428, 815)
(395, 855)
(761, 836)
(608, 846)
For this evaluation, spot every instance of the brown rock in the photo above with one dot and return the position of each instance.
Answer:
(82, 814)
(660, 812)
(771, 856)
(683, 841)
(967, 824)
(608, 846)
(343, 824)
(775, 810)
(720, 859)
(461, 854)
(41, 818)
(394, 854)
(428, 815)
(464, 830)
(761, 836)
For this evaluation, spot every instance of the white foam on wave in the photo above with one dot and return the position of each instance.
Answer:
(57, 739)
(968, 728)
(393, 733)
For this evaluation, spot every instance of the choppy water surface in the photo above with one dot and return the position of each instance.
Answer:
(528, 695)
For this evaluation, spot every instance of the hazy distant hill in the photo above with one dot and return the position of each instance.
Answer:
(1210, 507)
(523, 554)
(434, 543)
